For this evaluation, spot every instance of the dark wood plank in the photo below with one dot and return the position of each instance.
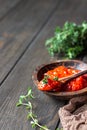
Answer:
(19, 28)
(22, 88)
(19, 79)
(6, 6)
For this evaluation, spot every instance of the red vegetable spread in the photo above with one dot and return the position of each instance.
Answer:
(50, 81)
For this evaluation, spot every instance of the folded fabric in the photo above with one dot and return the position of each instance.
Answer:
(74, 115)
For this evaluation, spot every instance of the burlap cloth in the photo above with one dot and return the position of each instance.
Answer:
(74, 115)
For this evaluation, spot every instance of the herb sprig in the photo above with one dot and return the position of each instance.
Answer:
(70, 40)
(24, 100)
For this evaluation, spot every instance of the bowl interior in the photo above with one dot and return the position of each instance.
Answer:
(76, 64)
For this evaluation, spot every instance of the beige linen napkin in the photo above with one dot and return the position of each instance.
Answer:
(74, 115)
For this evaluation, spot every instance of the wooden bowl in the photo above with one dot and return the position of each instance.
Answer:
(40, 70)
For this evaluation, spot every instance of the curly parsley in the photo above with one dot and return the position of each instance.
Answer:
(70, 40)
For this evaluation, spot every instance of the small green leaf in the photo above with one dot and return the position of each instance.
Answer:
(33, 124)
(29, 115)
(30, 93)
(45, 79)
(56, 78)
(18, 104)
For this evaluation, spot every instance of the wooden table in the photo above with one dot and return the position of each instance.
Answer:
(24, 27)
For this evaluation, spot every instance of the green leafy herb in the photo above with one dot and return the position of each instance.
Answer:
(24, 101)
(70, 40)
(45, 79)
(56, 78)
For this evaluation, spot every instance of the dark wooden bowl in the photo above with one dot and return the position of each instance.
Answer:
(40, 70)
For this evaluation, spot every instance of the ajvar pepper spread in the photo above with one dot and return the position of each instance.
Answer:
(50, 81)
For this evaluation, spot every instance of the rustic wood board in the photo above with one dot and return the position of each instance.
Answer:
(19, 28)
(6, 6)
(10, 117)
(19, 78)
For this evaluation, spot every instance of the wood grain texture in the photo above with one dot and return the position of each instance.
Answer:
(10, 117)
(16, 83)
(19, 28)
(6, 6)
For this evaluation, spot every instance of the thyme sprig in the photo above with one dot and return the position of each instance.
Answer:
(24, 101)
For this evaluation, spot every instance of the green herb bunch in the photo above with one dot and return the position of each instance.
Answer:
(70, 40)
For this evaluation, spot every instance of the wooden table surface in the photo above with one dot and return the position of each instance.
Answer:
(24, 27)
